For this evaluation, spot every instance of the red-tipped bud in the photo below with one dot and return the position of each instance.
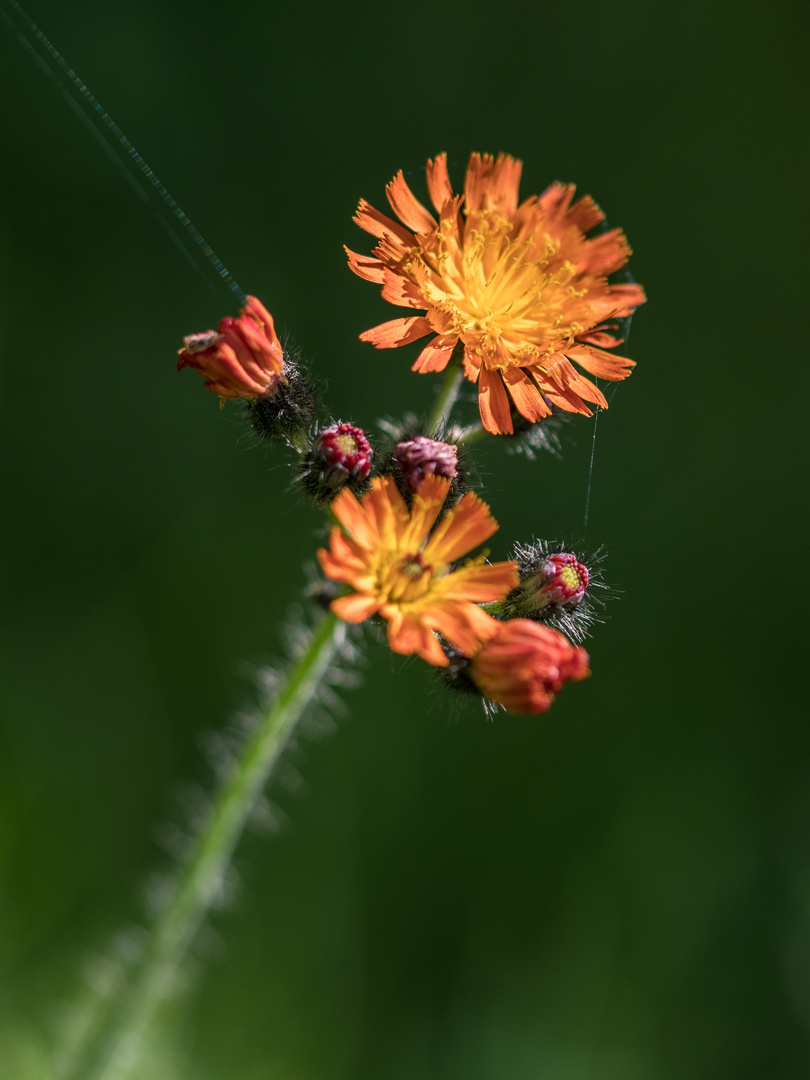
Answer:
(561, 580)
(525, 665)
(555, 588)
(420, 457)
(243, 358)
(340, 455)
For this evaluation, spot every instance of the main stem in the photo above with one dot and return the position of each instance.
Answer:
(443, 405)
(117, 1043)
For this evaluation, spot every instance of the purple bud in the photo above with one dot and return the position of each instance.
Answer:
(421, 457)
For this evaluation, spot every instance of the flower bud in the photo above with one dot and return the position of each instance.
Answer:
(243, 358)
(420, 457)
(560, 581)
(525, 665)
(340, 456)
(555, 588)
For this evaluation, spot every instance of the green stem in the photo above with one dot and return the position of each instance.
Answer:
(446, 399)
(116, 1043)
(472, 435)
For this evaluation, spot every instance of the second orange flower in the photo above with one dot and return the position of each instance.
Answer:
(400, 567)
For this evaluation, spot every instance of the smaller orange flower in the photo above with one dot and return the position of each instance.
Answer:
(401, 571)
(525, 665)
(243, 358)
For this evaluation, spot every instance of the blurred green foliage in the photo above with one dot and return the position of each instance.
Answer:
(618, 890)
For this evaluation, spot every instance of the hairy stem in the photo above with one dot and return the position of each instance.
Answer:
(114, 1049)
(443, 405)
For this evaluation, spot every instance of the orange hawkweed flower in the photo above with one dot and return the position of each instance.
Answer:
(401, 572)
(243, 358)
(525, 664)
(520, 286)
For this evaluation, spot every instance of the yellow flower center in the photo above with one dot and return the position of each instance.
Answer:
(404, 578)
(499, 282)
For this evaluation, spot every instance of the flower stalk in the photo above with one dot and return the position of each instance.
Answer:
(446, 399)
(120, 1032)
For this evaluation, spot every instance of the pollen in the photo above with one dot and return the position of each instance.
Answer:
(574, 577)
(346, 443)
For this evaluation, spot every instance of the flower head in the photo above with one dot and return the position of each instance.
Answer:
(520, 287)
(243, 358)
(525, 665)
(402, 570)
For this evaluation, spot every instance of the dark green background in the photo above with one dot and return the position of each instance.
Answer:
(620, 889)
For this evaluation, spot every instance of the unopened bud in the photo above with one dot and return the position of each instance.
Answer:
(561, 580)
(421, 457)
(554, 589)
(340, 456)
(525, 665)
(244, 359)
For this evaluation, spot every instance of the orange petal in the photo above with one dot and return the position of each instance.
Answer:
(365, 266)
(355, 608)
(555, 200)
(398, 290)
(626, 298)
(390, 335)
(467, 626)
(353, 516)
(604, 254)
(599, 336)
(493, 404)
(348, 552)
(407, 635)
(478, 582)
(527, 398)
(602, 364)
(468, 524)
(585, 214)
(505, 182)
(563, 377)
(386, 511)
(426, 506)
(378, 224)
(407, 207)
(435, 355)
(472, 364)
(492, 184)
(438, 182)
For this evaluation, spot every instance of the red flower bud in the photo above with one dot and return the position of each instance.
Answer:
(561, 580)
(243, 358)
(340, 455)
(525, 665)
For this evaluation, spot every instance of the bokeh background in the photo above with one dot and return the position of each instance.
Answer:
(620, 889)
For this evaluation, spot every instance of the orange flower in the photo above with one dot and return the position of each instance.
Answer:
(520, 286)
(525, 664)
(243, 358)
(401, 572)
